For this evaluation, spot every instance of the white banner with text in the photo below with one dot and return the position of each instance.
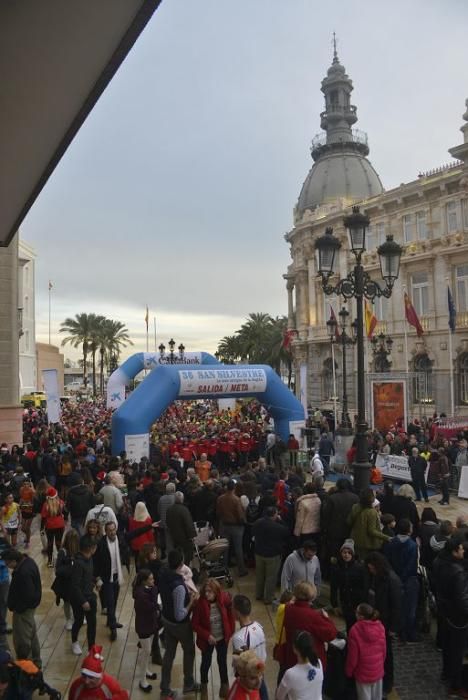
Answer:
(222, 381)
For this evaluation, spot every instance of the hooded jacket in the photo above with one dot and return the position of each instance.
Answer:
(451, 588)
(402, 553)
(366, 651)
(297, 568)
(79, 501)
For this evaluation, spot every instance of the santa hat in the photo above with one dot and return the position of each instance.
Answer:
(92, 665)
(51, 492)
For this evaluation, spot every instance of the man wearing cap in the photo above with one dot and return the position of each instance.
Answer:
(24, 596)
(94, 683)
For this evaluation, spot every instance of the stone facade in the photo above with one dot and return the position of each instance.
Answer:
(429, 218)
(49, 357)
(26, 308)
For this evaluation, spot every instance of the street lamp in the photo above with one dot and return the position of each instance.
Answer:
(171, 358)
(358, 285)
(381, 352)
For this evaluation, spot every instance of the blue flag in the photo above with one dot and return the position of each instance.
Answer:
(452, 321)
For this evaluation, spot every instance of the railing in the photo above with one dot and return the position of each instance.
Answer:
(381, 327)
(441, 169)
(357, 136)
(335, 107)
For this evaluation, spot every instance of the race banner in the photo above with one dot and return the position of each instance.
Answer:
(394, 467)
(136, 447)
(200, 382)
(50, 382)
(153, 359)
(388, 404)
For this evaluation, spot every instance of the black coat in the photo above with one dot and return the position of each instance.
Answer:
(82, 581)
(450, 579)
(179, 522)
(79, 501)
(63, 572)
(25, 588)
(270, 537)
(406, 508)
(348, 580)
(385, 594)
(334, 518)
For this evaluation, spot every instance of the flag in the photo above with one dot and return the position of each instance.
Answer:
(370, 319)
(147, 317)
(50, 285)
(452, 312)
(333, 318)
(288, 337)
(412, 316)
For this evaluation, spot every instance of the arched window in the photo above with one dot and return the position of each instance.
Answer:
(463, 378)
(327, 376)
(423, 381)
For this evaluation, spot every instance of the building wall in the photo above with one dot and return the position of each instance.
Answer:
(49, 357)
(429, 218)
(26, 310)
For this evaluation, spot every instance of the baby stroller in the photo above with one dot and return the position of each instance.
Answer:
(211, 553)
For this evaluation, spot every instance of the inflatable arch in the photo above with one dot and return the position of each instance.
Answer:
(131, 423)
(135, 364)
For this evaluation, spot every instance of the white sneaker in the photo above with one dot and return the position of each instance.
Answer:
(68, 625)
(76, 648)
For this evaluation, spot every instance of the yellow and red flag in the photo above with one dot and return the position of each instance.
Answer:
(147, 317)
(412, 316)
(370, 319)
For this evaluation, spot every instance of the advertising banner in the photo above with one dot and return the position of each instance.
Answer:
(50, 381)
(303, 386)
(221, 381)
(394, 467)
(137, 446)
(153, 359)
(388, 404)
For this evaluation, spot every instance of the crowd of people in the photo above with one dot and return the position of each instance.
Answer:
(321, 556)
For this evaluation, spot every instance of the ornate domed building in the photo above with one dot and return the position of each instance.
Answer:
(429, 218)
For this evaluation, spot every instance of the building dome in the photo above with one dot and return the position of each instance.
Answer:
(341, 169)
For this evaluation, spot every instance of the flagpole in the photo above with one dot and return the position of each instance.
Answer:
(50, 288)
(452, 391)
(155, 346)
(334, 381)
(406, 333)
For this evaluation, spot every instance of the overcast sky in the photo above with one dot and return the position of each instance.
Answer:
(179, 187)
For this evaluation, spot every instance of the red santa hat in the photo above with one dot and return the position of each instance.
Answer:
(92, 665)
(51, 492)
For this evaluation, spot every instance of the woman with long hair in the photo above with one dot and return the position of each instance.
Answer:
(147, 612)
(365, 525)
(148, 558)
(213, 623)
(26, 504)
(140, 517)
(53, 522)
(304, 680)
(63, 571)
(11, 519)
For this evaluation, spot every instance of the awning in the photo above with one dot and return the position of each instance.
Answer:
(56, 58)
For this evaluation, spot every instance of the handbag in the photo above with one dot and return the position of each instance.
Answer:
(279, 650)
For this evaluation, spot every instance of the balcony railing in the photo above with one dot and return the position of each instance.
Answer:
(462, 319)
(357, 136)
(381, 327)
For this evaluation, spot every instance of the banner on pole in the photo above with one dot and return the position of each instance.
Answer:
(222, 381)
(388, 404)
(51, 388)
(303, 386)
(136, 447)
(394, 467)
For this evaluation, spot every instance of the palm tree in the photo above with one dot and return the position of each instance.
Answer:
(277, 355)
(229, 349)
(114, 336)
(254, 335)
(79, 334)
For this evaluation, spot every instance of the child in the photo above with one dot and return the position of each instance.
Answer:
(366, 653)
(249, 670)
(388, 524)
(250, 636)
(304, 680)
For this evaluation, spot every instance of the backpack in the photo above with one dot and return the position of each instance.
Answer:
(252, 511)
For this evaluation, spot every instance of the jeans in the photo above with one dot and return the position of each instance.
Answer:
(79, 615)
(419, 485)
(78, 525)
(410, 604)
(263, 690)
(25, 638)
(221, 656)
(453, 651)
(266, 572)
(234, 534)
(176, 632)
(388, 665)
(111, 591)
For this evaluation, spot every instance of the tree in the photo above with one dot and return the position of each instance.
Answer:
(229, 349)
(79, 334)
(96, 329)
(114, 336)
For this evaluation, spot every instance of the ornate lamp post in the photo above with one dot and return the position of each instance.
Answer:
(345, 426)
(358, 285)
(171, 358)
(381, 352)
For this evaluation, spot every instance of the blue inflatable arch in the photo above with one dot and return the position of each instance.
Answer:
(131, 423)
(136, 363)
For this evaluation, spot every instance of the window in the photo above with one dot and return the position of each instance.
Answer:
(26, 341)
(379, 234)
(328, 383)
(329, 303)
(421, 226)
(423, 392)
(420, 292)
(452, 216)
(465, 213)
(463, 378)
(370, 239)
(407, 228)
(462, 287)
(381, 308)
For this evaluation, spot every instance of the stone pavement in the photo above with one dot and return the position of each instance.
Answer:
(417, 671)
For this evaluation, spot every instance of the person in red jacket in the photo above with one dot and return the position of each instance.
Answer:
(300, 617)
(366, 653)
(140, 518)
(53, 522)
(213, 622)
(249, 670)
(93, 683)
